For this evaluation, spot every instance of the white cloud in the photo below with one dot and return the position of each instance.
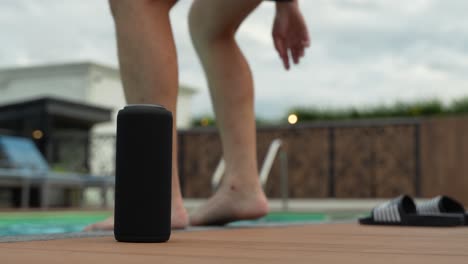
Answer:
(363, 51)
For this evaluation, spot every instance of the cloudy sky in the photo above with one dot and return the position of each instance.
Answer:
(364, 52)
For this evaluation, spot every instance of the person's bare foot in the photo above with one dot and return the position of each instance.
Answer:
(179, 216)
(231, 203)
(179, 220)
(105, 225)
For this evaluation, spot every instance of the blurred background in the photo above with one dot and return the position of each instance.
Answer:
(377, 108)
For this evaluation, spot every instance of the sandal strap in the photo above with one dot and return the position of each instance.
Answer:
(430, 207)
(387, 212)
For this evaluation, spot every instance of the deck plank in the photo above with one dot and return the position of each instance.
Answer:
(325, 243)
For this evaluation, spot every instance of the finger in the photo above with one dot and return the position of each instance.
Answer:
(282, 51)
(276, 42)
(302, 52)
(302, 49)
(295, 54)
(296, 50)
(286, 60)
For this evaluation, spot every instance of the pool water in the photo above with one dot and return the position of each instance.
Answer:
(14, 224)
(36, 223)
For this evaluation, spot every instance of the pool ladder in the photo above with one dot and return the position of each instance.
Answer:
(273, 151)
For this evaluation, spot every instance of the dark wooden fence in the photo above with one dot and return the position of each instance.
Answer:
(444, 157)
(351, 159)
(355, 159)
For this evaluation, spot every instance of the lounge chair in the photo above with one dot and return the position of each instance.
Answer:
(22, 165)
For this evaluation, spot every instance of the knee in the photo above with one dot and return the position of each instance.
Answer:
(119, 7)
(114, 7)
(206, 29)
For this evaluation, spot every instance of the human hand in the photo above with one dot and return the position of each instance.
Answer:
(290, 33)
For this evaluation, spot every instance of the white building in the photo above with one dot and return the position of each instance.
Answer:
(86, 82)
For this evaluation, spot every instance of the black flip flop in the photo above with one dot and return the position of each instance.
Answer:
(401, 211)
(442, 205)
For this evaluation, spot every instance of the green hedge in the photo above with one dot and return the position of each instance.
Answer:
(400, 109)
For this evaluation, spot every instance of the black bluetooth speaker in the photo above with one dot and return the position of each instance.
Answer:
(143, 174)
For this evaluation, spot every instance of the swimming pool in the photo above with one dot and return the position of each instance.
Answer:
(40, 223)
(35, 223)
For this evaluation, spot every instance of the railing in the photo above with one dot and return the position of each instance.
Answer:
(269, 159)
(273, 150)
(218, 174)
(84, 153)
(264, 172)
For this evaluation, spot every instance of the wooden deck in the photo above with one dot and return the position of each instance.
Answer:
(327, 243)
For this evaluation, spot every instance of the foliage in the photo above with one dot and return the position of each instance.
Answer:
(400, 109)
(432, 107)
(205, 121)
(459, 106)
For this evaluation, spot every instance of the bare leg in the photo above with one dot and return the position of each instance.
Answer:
(213, 24)
(148, 66)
